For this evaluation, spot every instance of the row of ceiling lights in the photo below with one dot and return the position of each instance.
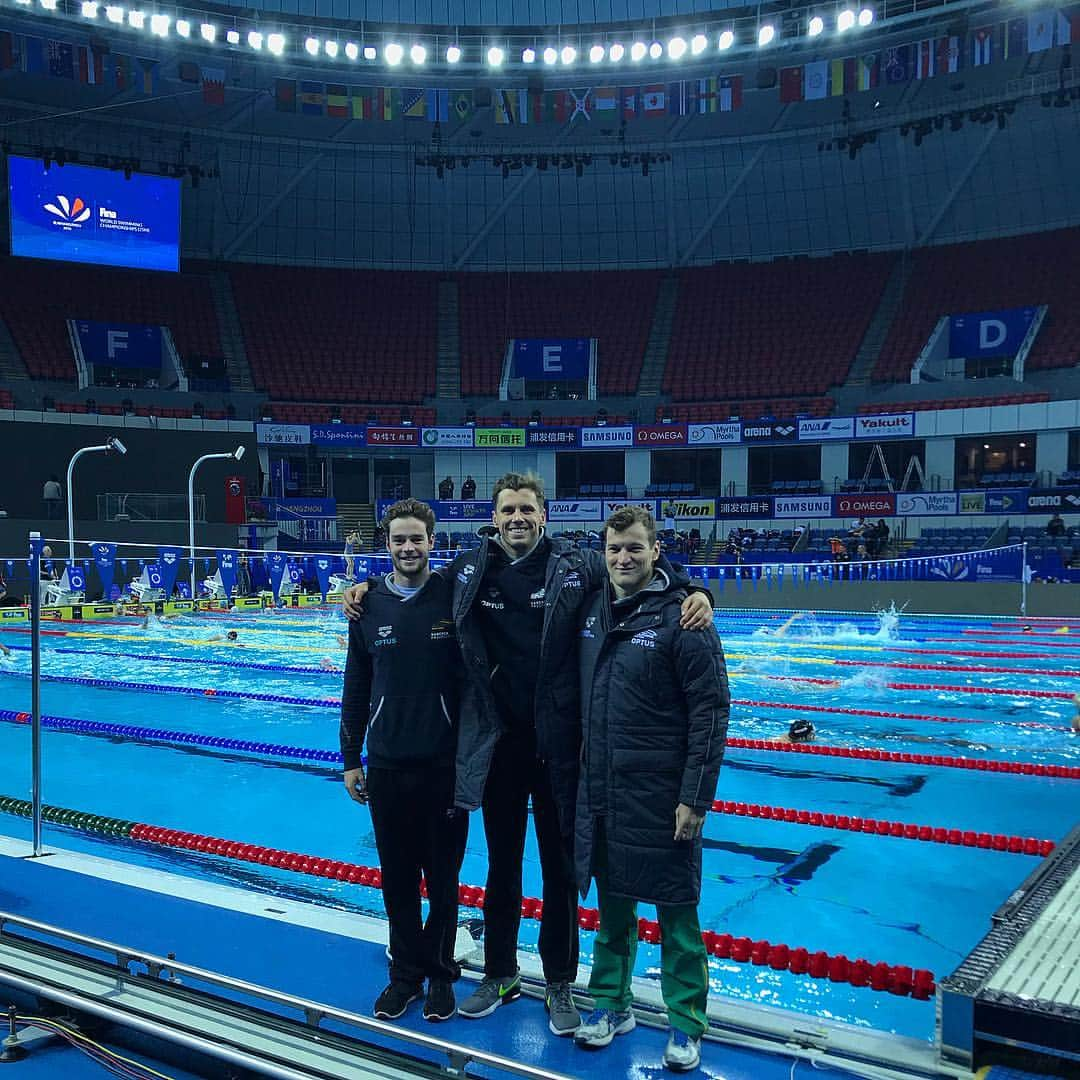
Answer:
(394, 53)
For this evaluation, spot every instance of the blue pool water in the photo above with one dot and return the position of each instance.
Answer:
(882, 898)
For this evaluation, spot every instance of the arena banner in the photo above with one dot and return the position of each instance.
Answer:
(892, 426)
(555, 438)
(882, 504)
(393, 436)
(926, 503)
(688, 509)
(826, 428)
(986, 334)
(720, 434)
(1054, 499)
(757, 506)
(338, 435)
(607, 438)
(499, 438)
(169, 560)
(802, 506)
(291, 509)
(769, 431)
(282, 434)
(660, 435)
(458, 438)
(558, 359)
(574, 510)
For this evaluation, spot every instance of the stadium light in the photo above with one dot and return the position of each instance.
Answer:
(866, 17)
(275, 43)
(236, 455)
(111, 443)
(255, 39)
(676, 48)
(528, 56)
(726, 40)
(232, 37)
(352, 50)
(331, 49)
(616, 52)
(418, 54)
(89, 9)
(656, 50)
(815, 26)
(568, 55)
(49, 5)
(312, 45)
(551, 55)
(845, 20)
(453, 54)
(698, 44)
(393, 54)
(208, 32)
(495, 56)
(370, 52)
(765, 35)
(596, 54)
(638, 51)
(137, 19)
(159, 25)
(183, 28)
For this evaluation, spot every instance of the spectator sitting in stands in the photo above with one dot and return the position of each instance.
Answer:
(858, 527)
(838, 549)
(446, 489)
(468, 488)
(1055, 526)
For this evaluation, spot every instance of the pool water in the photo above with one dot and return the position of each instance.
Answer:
(881, 898)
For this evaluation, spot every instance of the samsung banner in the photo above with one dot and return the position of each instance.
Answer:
(557, 360)
(127, 345)
(986, 334)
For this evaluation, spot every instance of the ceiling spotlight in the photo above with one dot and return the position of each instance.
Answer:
(596, 54)
(159, 24)
(551, 55)
(393, 54)
(676, 48)
(656, 50)
(616, 52)
(183, 28)
(698, 44)
(726, 40)
(495, 56)
(638, 51)
(370, 52)
(275, 43)
(528, 56)
(331, 49)
(89, 9)
(845, 20)
(232, 37)
(815, 26)
(312, 45)
(765, 35)
(136, 19)
(208, 32)
(866, 17)
(418, 54)
(569, 54)
(255, 39)
(49, 5)
(453, 54)
(352, 50)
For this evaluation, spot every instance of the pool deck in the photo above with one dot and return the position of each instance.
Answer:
(337, 958)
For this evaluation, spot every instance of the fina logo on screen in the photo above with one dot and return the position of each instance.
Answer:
(69, 214)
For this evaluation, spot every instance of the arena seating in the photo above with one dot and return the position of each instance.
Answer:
(6, 400)
(1039, 268)
(38, 297)
(615, 307)
(547, 421)
(338, 335)
(290, 412)
(704, 412)
(791, 325)
(1031, 396)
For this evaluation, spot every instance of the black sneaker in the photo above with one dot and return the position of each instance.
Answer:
(489, 995)
(440, 1003)
(394, 1000)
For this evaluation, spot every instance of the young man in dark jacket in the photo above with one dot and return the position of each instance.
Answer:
(402, 692)
(655, 708)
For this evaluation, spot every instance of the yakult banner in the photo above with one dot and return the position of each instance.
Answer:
(611, 505)
(802, 506)
(660, 435)
(828, 427)
(726, 434)
(894, 426)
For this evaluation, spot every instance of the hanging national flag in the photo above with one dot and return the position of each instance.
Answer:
(982, 46)
(89, 66)
(337, 100)
(61, 59)
(703, 95)
(119, 70)
(461, 104)
(1068, 26)
(1040, 30)
(285, 95)
(581, 100)
(653, 100)
(413, 105)
(7, 50)
(605, 99)
(312, 98)
(213, 86)
(678, 102)
(867, 71)
(360, 102)
(816, 79)
(948, 55)
(149, 81)
(791, 85)
(841, 76)
(511, 106)
(188, 71)
(897, 64)
(385, 98)
(730, 93)
(33, 55)
(925, 57)
(628, 95)
(437, 103)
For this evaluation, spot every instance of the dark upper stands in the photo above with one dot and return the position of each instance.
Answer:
(338, 335)
(37, 298)
(1039, 268)
(790, 327)
(615, 306)
(1028, 397)
(290, 412)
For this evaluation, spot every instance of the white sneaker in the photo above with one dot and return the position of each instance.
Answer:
(682, 1052)
(601, 1026)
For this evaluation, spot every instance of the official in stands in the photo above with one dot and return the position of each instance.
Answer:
(1055, 527)
(52, 495)
(468, 488)
(517, 600)
(446, 488)
(655, 714)
(242, 585)
(402, 694)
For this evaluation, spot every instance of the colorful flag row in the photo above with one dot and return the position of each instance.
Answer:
(371, 102)
(80, 63)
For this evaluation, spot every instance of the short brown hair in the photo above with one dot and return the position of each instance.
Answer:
(413, 508)
(513, 481)
(625, 516)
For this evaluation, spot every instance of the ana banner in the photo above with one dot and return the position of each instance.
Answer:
(828, 427)
(573, 510)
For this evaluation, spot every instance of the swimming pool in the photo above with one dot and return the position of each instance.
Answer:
(936, 689)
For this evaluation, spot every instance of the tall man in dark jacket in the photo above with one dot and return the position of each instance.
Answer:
(517, 601)
(402, 681)
(655, 708)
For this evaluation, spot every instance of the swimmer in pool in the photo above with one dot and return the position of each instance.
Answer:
(1076, 716)
(230, 637)
(781, 630)
(4, 649)
(800, 731)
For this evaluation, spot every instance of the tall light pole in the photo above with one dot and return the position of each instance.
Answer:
(112, 444)
(236, 455)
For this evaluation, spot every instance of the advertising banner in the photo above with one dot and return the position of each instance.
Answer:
(393, 436)
(459, 438)
(865, 505)
(276, 562)
(766, 431)
(499, 438)
(448, 509)
(322, 572)
(282, 434)
(105, 561)
(338, 435)
(893, 426)
(684, 509)
(928, 503)
(723, 434)
(557, 438)
(1047, 501)
(226, 564)
(305, 508)
(802, 506)
(1007, 500)
(972, 502)
(169, 561)
(755, 506)
(828, 427)
(607, 438)
(611, 505)
(660, 435)
(574, 510)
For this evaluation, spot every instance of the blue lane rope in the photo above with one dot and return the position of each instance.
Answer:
(246, 665)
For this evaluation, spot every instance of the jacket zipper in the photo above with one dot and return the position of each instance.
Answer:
(445, 712)
(375, 715)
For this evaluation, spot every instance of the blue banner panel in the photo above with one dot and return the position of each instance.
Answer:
(989, 333)
(82, 214)
(120, 344)
(449, 510)
(556, 359)
(1046, 502)
(1006, 501)
(338, 435)
(290, 509)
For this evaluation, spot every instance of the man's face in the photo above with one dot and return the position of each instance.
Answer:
(519, 517)
(409, 545)
(631, 559)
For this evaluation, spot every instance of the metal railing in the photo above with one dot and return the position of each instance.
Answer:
(144, 506)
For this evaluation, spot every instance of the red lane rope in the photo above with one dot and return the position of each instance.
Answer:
(1024, 768)
(1061, 641)
(1019, 633)
(897, 979)
(974, 669)
(1018, 845)
(1003, 691)
(882, 714)
(984, 653)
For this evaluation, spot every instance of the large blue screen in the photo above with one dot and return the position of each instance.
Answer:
(89, 215)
